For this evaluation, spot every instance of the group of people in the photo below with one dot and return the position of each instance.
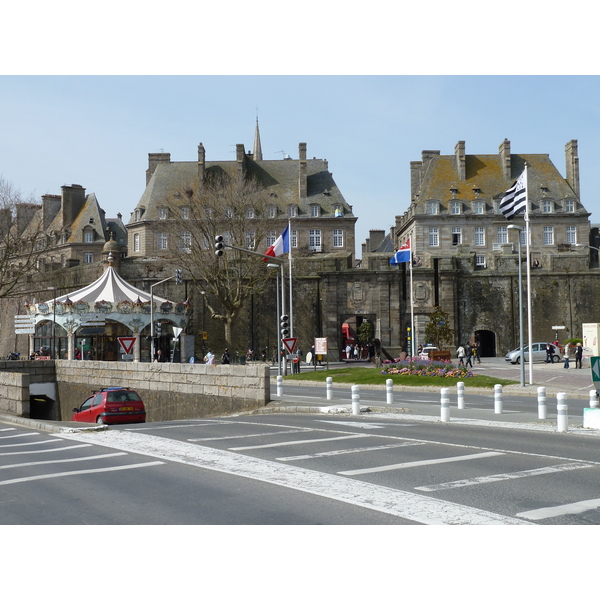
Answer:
(468, 352)
(568, 352)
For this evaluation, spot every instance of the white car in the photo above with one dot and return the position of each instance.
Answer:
(539, 353)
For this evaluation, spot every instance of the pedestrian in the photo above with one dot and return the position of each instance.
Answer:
(578, 355)
(567, 352)
(225, 358)
(469, 354)
(549, 352)
(355, 352)
(348, 351)
(478, 352)
(160, 357)
(460, 353)
(209, 359)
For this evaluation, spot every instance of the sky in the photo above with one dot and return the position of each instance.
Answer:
(85, 100)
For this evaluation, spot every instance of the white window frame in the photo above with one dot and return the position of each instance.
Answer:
(271, 211)
(250, 240)
(136, 242)
(570, 206)
(315, 211)
(162, 241)
(502, 235)
(250, 212)
(433, 237)
(480, 260)
(433, 207)
(292, 211)
(548, 235)
(185, 212)
(315, 240)
(88, 258)
(163, 213)
(338, 238)
(185, 241)
(270, 238)
(294, 238)
(456, 231)
(88, 237)
(455, 207)
(479, 236)
(547, 206)
(479, 207)
(571, 234)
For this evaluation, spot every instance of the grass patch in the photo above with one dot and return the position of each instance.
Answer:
(371, 376)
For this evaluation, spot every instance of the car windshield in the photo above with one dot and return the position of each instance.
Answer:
(122, 396)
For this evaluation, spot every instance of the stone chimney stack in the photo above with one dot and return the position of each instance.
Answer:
(572, 165)
(201, 164)
(461, 166)
(73, 199)
(240, 157)
(504, 150)
(302, 171)
(415, 178)
(153, 160)
(50, 208)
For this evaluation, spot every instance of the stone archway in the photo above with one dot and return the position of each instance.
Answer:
(487, 342)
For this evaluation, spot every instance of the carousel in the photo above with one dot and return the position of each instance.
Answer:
(108, 320)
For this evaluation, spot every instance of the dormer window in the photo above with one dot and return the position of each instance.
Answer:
(433, 207)
(163, 213)
(292, 210)
(88, 236)
(315, 211)
(271, 211)
(455, 208)
(547, 206)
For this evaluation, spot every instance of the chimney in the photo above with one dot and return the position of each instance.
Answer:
(504, 150)
(461, 167)
(50, 208)
(73, 199)
(302, 176)
(240, 156)
(201, 163)
(415, 178)
(153, 160)
(572, 165)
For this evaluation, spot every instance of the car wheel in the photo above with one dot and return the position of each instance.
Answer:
(518, 361)
(555, 358)
(100, 421)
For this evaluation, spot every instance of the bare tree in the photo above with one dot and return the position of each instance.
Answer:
(21, 238)
(235, 209)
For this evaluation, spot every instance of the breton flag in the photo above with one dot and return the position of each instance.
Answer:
(515, 199)
(281, 245)
(402, 255)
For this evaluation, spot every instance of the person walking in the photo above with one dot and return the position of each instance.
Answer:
(226, 359)
(549, 352)
(209, 359)
(578, 355)
(469, 353)
(566, 355)
(460, 353)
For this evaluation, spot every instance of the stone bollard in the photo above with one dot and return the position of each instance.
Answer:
(445, 405)
(389, 391)
(542, 408)
(329, 384)
(355, 400)
(593, 399)
(498, 399)
(279, 385)
(460, 394)
(562, 412)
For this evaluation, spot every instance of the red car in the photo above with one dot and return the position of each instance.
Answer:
(112, 405)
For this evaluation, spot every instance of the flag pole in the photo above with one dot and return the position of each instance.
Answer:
(412, 305)
(528, 244)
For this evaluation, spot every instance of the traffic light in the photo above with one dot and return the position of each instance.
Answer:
(157, 329)
(178, 276)
(285, 326)
(219, 245)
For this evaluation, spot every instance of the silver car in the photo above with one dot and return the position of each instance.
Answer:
(539, 353)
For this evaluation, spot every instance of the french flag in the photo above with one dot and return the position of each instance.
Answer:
(402, 255)
(281, 245)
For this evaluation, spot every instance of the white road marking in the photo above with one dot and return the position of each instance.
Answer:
(348, 451)
(354, 436)
(420, 463)
(82, 472)
(45, 450)
(249, 435)
(406, 505)
(355, 424)
(26, 444)
(501, 477)
(8, 437)
(574, 508)
(62, 460)
(9, 429)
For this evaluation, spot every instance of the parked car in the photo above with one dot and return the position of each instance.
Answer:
(539, 353)
(425, 352)
(112, 405)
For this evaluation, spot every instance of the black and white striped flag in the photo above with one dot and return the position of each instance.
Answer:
(515, 199)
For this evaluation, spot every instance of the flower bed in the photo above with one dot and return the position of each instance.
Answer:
(427, 368)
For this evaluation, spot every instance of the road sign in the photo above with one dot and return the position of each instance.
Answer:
(19, 330)
(24, 324)
(177, 331)
(127, 343)
(595, 368)
(289, 344)
(320, 345)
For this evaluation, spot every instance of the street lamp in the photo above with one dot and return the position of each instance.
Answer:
(522, 353)
(53, 288)
(274, 266)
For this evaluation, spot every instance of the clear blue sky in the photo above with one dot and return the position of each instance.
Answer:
(96, 130)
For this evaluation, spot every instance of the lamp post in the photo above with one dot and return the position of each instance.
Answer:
(274, 266)
(53, 288)
(522, 353)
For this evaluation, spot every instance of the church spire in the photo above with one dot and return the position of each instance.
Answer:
(257, 147)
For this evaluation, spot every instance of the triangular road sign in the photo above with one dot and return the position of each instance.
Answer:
(595, 360)
(290, 344)
(127, 343)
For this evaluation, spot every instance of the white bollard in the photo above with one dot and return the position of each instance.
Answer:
(562, 412)
(329, 383)
(498, 399)
(593, 399)
(279, 385)
(355, 400)
(389, 391)
(542, 408)
(460, 394)
(445, 405)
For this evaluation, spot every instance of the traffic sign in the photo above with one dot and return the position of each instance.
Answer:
(595, 368)
(127, 343)
(290, 344)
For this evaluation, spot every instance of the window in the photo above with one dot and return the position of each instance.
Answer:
(479, 207)
(569, 205)
(88, 237)
(292, 211)
(502, 235)
(250, 213)
(523, 237)
(338, 238)
(455, 208)
(571, 234)
(228, 212)
(163, 213)
(294, 238)
(480, 260)
(88, 257)
(271, 211)
(249, 239)
(479, 236)
(433, 208)
(185, 241)
(314, 239)
(548, 235)
(315, 210)
(271, 238)
(185, 212)
(136, 242)
(434, 236)
(161, 241)
(338, 211)
(547, 206)
(456, 236)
